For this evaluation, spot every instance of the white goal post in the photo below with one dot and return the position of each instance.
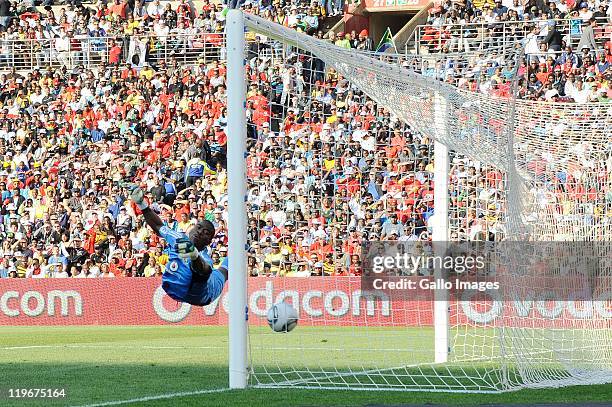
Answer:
(355, 339)
(237, 190)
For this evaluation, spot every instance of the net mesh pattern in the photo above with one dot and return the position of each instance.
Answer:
(547, 179)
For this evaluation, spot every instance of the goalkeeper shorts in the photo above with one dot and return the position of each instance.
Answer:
(181, 286)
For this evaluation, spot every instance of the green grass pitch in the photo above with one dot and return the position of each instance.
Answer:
(105, 364)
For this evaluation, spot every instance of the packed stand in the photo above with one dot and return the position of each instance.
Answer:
(567, 60)
(328, 168)
(73, 142)
(568, 48)
(135, 31)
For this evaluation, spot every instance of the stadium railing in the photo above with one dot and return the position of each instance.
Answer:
(26, 54)
(482, 36)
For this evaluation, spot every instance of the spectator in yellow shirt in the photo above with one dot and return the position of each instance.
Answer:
(185, 223)
(161, 258)
(133, 23)
(150, 269)
(274, 259)
(344, 40)
(329, 163)
(147, 72)
(328, 265)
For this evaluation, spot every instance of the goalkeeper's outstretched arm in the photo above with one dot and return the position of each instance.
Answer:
(184, 246)
(154, 221)
(200, 267)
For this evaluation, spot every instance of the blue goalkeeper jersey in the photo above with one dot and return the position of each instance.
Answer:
(171, 236)
(177, 279)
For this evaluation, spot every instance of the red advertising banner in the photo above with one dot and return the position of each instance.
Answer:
(333, 301)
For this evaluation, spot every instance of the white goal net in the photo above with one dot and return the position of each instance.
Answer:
(340, 158)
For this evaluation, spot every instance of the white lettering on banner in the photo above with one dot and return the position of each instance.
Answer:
(584, 311)
(307, 307)
(545, 306)
(550, 313)
(495, 306)
(4, 304)
(306, 303)
(546, 299)
(294, 297)
(344, 307)
(32, 303)
(254, 300)
(64, 297)
(168, 316)
(602, 305)
(579, 305)
(335, 303)
(370, 298)
(523, 307)
(25, 303)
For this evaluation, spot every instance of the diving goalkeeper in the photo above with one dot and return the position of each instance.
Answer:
(189, 276)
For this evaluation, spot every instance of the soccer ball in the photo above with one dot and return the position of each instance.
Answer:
(282, 317)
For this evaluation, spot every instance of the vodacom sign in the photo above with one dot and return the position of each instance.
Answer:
(546, 306)
(347, 304)
(33, 303)
(327, 300)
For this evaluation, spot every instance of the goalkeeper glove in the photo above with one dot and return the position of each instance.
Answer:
(137, 196)
(186, 249)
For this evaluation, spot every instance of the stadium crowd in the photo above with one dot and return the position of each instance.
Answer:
(328, 168)
(132, 31)
(568, 47)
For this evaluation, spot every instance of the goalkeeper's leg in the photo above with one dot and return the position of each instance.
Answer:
(181, 284)
(204, 292)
